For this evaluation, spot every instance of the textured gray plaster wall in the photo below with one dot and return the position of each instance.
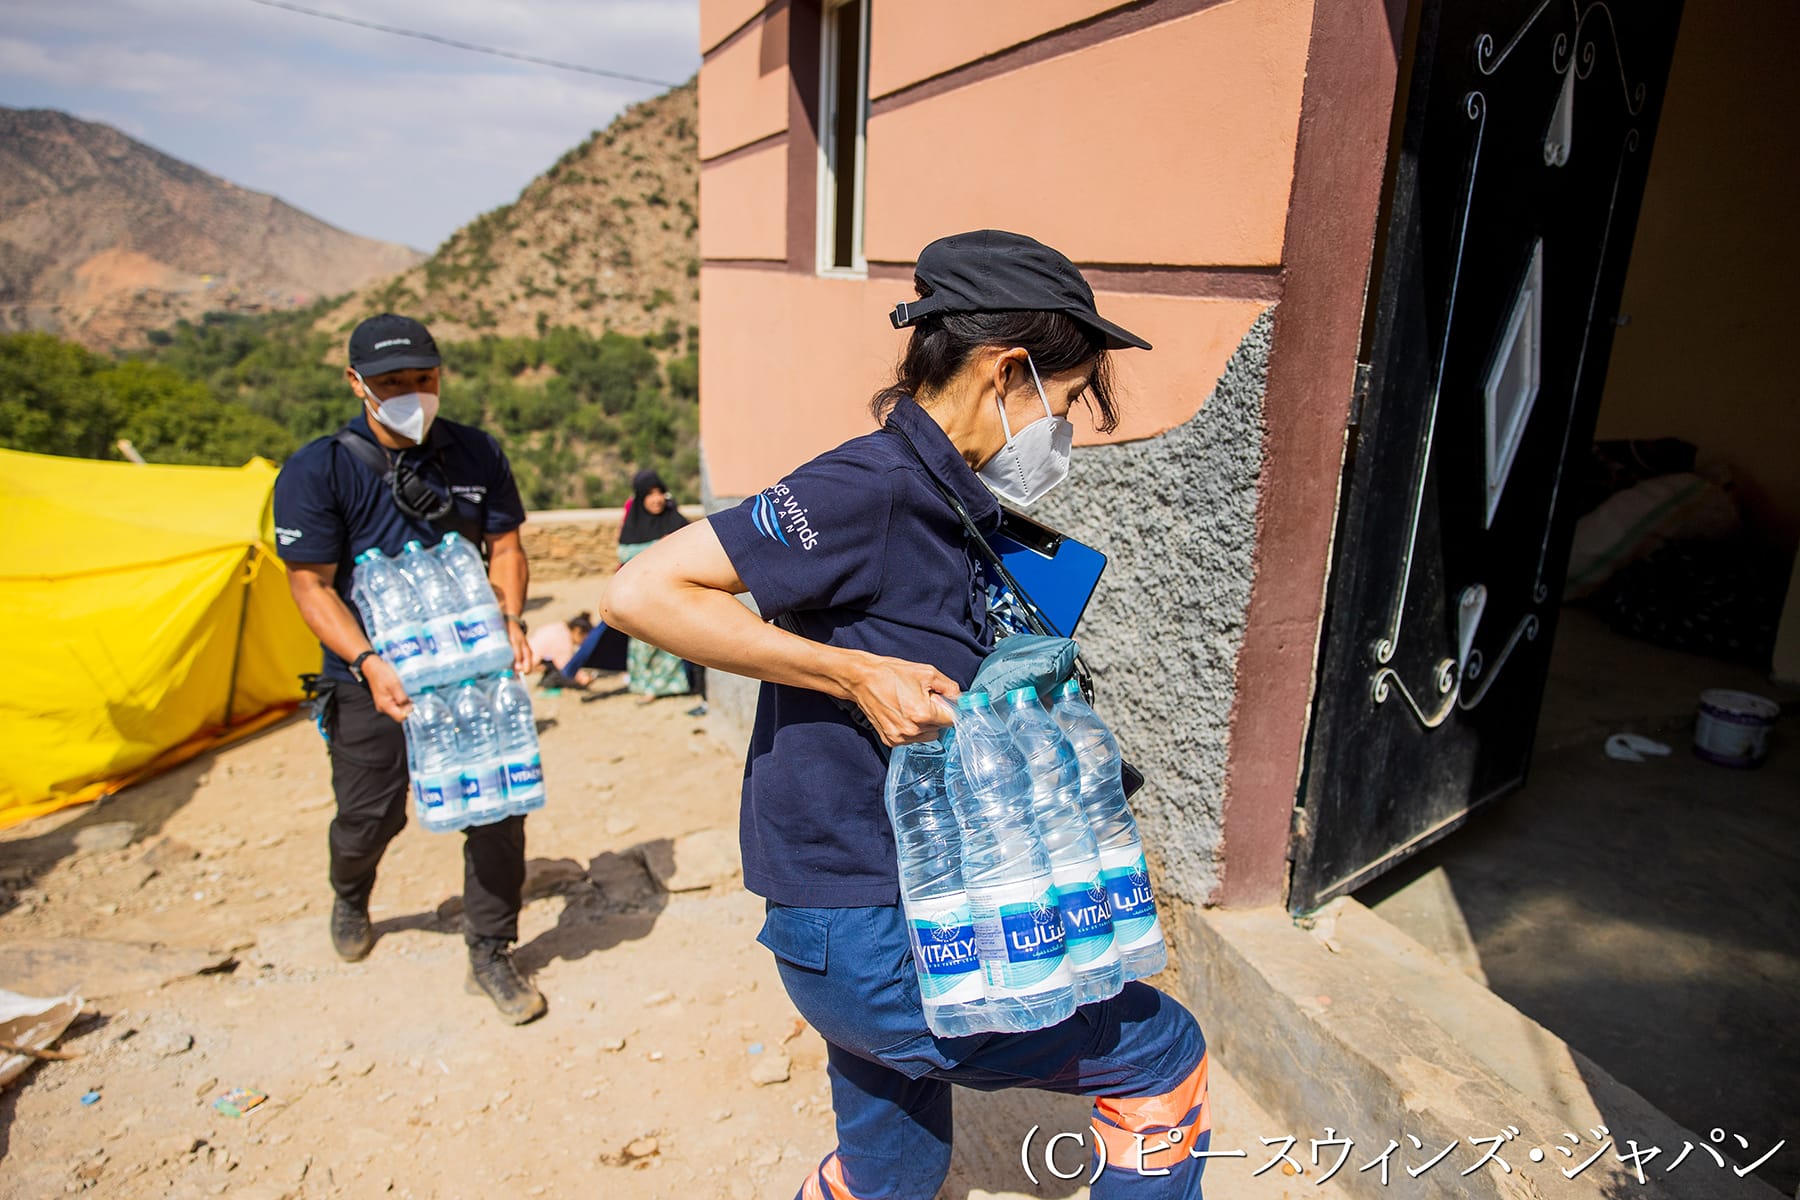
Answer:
(1176, 517)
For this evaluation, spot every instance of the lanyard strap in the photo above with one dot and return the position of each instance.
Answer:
(1034, 617)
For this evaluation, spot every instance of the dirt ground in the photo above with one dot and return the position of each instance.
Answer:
(190, 912)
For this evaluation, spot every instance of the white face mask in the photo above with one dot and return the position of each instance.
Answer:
(409, 415)
(1033, 460)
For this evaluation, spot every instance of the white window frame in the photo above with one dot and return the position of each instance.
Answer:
(827, 199)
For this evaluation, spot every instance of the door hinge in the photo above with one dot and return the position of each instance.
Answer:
(1359, 394)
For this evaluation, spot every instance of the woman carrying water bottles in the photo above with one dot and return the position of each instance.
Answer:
(860, 552)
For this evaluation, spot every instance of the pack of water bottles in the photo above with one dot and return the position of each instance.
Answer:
(471, 740)
(1022, 874)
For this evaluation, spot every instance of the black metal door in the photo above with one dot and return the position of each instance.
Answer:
(1515, 193)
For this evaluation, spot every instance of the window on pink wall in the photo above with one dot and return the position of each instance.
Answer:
(844, 109)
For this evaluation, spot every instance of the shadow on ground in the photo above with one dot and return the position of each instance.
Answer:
(611, 900)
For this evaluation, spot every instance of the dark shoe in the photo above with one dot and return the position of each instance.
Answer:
(491, 973)
(351, 935)
(554, 680)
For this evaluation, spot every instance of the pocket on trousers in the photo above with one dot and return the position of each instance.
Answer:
(796, 936)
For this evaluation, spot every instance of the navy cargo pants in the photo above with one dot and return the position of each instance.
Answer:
(850, 973)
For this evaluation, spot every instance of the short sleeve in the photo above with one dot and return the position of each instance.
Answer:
(505, 510)
(309, 522)
(818, 539)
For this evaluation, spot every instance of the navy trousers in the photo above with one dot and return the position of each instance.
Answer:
(1141, 1054)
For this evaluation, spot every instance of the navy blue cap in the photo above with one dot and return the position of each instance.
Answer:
(390, 342)
(991, 270)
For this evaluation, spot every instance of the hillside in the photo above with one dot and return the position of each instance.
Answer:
(606, 239)
(103, 238)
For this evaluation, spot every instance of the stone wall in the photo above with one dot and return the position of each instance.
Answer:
(1176, 517)
(565, 548)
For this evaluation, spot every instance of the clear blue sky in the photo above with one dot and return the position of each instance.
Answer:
(384, 136)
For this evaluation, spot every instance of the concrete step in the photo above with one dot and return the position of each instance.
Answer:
(1353, 1025)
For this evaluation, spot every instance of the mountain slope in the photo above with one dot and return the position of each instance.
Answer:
(103, 237)
(606, 239)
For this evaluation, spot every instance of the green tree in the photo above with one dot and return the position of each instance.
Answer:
(50, 402)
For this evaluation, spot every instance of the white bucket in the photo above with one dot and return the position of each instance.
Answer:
(1732, 728)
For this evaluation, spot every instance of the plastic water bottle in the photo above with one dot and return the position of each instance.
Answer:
(441, 601)
(1006, 874)
(478, 754)
(1074, 853)
(392, 618)
(431, 755)
(928, 845)
(519, 761)
(480, 629)
(1136, 928)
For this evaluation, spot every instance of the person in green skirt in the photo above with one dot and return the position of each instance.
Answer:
(650, 517)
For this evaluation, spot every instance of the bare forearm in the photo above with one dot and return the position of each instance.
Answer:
(510, 574)
(332, 622)
(712, 628)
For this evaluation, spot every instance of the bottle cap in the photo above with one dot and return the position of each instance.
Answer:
(506, 674)
(969, 701)
(466, 683)
(414, 545)
(1022, 695)
(1067, 689)
(452, 537)
(361, 558)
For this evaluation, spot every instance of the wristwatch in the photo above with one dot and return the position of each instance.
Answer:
(357, 662)
(518, 620)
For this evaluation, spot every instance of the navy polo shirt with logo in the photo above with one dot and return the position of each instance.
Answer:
(864, 552)
(329, 507)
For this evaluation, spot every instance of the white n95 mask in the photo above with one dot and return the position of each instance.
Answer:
(409, 415)
(1033, 460)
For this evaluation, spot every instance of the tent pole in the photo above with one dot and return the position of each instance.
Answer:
(237, 646)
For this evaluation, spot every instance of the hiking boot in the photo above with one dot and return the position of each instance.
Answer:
(351, 935)
(492, 973)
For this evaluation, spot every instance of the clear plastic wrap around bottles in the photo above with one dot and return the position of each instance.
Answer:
(1021, 873)
(929, 846)
(1137, 930)
(471, 741)
(1074, 853)
(480, 629)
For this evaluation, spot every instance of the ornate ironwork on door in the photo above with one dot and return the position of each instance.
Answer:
(1515, 190)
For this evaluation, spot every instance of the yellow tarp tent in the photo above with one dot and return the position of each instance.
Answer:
(143, 617)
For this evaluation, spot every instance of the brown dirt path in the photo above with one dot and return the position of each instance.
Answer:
(383, 1077)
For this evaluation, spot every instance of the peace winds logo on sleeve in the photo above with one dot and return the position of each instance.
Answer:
(779, 516)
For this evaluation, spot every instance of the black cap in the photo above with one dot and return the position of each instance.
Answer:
(391, 343)
(991, 270)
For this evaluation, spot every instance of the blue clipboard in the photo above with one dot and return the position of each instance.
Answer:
(1056, 571)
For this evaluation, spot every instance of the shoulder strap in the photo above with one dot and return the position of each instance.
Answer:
(367, 453)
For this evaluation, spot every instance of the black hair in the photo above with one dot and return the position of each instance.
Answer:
(942, 343)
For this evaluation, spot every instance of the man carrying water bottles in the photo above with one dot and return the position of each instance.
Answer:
(395, 474)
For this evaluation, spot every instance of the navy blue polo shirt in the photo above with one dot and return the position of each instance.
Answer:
(865, 553)
(329, 507)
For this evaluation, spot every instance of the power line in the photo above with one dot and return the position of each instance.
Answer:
(444, 41)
